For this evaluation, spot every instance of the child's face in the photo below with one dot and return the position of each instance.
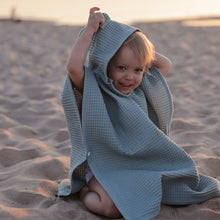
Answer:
(125, 70)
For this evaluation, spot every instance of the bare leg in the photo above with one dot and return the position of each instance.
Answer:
(83, 192)
(96, 199)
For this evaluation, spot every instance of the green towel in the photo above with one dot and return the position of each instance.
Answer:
(125, 138)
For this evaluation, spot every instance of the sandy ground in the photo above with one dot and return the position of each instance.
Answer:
(34, 143)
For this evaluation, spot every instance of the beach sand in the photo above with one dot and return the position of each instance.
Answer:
(34, 143)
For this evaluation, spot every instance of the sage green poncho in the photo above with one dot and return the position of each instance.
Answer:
(125, 138)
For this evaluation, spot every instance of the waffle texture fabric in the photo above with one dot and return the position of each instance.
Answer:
(125, 138)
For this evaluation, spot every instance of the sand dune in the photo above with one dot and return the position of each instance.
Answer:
(34, 143)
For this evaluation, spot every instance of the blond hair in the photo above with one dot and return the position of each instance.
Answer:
(142, 48)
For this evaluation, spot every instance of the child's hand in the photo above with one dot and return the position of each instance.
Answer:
(96, 19)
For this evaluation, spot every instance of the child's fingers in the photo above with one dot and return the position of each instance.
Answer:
(93, 10)
(102, 20)
(96, 19)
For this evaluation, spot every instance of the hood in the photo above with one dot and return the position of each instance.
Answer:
(105, 43)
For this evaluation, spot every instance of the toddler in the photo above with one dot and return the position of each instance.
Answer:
(123, 162)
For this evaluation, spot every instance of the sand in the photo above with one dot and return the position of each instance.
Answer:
(34, 143)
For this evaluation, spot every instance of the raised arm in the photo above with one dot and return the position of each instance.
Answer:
(162, 63)
(76, 60)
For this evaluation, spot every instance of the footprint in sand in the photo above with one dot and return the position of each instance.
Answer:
(24, 131)
(180, 124)
(48, 168)
(22, 198)
(11, 155)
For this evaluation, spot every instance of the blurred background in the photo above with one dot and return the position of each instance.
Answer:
(76, 12)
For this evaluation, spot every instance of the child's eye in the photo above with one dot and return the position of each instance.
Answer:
(138, 70)
(121, 68)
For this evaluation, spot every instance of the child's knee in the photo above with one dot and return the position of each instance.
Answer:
(98, 200)
(111, 211)
(101, 205)
(91, 200)
(83, 192)
(108, 207)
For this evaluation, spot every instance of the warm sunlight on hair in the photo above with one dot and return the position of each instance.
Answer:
(142, 48)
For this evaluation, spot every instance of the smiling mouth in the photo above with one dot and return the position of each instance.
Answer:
(125, 85)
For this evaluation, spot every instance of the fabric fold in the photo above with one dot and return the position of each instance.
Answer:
(125, 138)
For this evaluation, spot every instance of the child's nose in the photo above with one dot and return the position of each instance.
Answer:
(129, 75)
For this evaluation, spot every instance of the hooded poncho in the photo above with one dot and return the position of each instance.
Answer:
(125, 137)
